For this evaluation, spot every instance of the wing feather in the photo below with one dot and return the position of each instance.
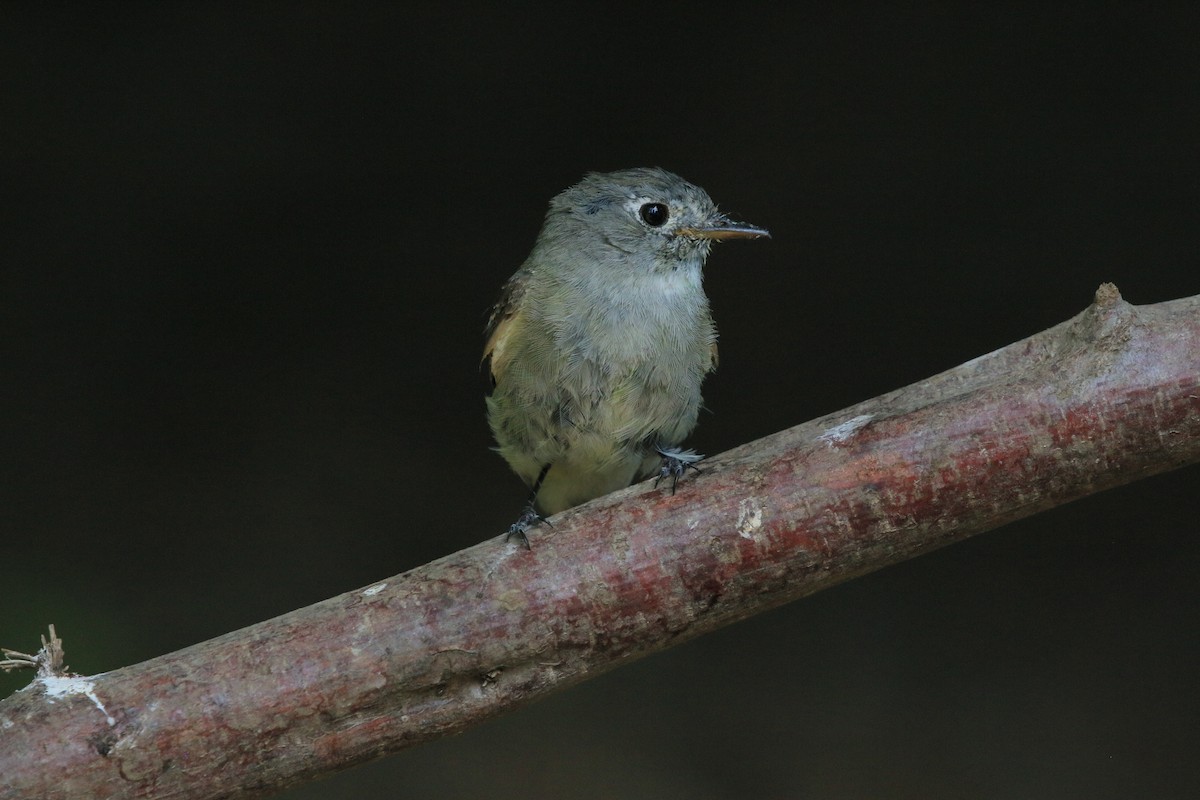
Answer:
(504, 320)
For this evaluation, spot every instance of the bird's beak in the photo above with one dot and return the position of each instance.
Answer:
(720, 227)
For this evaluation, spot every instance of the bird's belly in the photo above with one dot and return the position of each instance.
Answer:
(596, 440)
(643, 407)
(590, 469)
(596, 414)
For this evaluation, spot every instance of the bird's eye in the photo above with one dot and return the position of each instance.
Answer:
(654, 214)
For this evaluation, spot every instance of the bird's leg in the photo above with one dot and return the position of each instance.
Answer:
(675, 462)
(529, 517)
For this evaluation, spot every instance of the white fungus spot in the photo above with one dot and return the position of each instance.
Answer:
(59, 687)
(750, 518)
(840, 433)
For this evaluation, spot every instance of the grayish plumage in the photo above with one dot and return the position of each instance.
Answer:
(600, 341)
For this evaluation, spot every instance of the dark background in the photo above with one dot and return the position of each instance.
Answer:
(247, 254)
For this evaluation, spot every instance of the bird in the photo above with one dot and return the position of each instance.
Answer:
(599, 343)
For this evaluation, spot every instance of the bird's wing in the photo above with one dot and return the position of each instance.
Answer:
(505, 319)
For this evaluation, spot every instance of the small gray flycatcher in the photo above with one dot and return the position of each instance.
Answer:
(600, 341)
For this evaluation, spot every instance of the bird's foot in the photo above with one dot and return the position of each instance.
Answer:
(676, 462)
(529, 518)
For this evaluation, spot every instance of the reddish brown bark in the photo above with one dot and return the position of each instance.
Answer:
(1106, 398)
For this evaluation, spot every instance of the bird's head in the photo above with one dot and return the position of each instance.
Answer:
(644, 218)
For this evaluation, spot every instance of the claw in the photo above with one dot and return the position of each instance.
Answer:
(529, 518)
(676, 462)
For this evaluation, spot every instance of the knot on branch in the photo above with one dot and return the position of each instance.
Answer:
(1107, 295)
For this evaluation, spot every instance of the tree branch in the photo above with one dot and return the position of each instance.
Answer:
(1108, 397)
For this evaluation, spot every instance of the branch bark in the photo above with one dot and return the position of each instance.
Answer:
(1108, 397)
